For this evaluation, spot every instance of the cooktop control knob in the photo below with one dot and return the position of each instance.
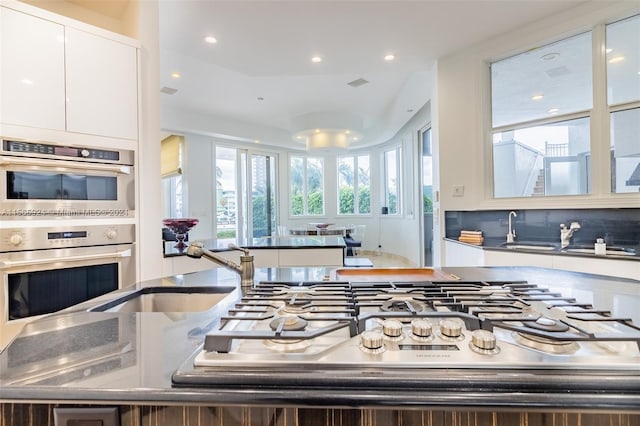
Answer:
(16, 239)
(483, 339)
(111, 234)
(371, 341)
(451, 327)
(392, 328)
(421, 327)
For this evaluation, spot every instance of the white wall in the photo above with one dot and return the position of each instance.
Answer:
(461, 117)
(198, 184)
(148, 161)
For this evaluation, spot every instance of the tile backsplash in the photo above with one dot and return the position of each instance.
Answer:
(619, 227)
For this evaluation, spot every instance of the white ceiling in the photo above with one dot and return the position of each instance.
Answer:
(264, 50)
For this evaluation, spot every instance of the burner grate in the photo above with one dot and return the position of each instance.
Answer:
(325, 307)
(220, 340)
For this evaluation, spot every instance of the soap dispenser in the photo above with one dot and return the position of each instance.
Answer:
(600, 247)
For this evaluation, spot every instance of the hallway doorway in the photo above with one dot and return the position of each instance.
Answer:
(427, 195)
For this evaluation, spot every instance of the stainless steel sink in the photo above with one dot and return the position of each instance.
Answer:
(530, 246)
(166, 299)
(617, 251)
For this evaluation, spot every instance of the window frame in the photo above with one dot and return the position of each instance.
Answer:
(356, 184)
(172, 195)
(601, 173)
(549, 120)
(612, 108)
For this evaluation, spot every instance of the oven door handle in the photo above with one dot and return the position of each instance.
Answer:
(114, 168)
(8, 264)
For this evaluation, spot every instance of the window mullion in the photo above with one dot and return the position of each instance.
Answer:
(543, 121)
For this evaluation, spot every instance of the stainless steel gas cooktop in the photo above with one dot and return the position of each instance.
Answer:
(470, 334)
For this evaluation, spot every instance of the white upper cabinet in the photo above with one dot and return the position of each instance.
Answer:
(58, 77)
(31, 71)
(102, 86)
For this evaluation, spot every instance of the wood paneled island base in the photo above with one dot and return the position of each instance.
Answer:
(134, 415)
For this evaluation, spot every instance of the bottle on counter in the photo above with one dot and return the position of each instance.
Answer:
(600, 247)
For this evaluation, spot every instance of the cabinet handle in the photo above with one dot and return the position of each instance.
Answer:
(8, 264)
(114, 168)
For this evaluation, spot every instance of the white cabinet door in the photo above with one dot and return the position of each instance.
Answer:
(501, 258)
(311, 257)
(31, 71)
(265, 258)
(102, 88)
(599, 265)
(458, 254)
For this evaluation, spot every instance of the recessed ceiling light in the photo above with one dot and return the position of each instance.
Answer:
(616, 59)
(536, 97)
(27, 81)
(348, 132)
(316, 59)
(549, 56)
(210, 39)
(553, 110)
(257, 141)
(389, 57)
(609, 50)
(176, 75)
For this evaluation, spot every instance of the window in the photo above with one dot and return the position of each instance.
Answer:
(263, 194)
(226, 184)
(353, 173)
(541, 103)
(172, 196)
(245, 193)
(549, 159)
(306, 186)
(391, 198)
(623, 96)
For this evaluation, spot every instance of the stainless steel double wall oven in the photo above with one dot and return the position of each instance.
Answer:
(67, 233)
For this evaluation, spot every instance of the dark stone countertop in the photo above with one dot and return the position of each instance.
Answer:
(77, 356)
(499, 244)
(261, 243)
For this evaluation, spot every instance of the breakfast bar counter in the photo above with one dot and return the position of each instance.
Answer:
(127, 359)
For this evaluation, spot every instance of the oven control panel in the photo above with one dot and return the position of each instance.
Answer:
(20, 239)
(44, 150)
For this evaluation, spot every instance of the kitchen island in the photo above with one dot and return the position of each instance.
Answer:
(84, 358)
(277, 251)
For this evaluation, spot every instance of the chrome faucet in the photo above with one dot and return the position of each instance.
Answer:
(245, 269)
(566, 233)
(511, 235)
